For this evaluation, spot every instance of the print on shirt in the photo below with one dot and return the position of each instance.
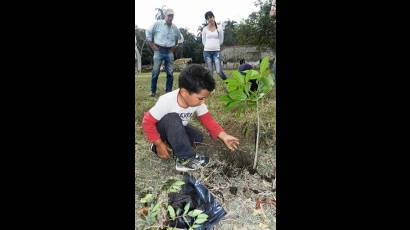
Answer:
(185, 117)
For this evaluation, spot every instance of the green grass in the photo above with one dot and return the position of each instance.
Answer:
(152, 173)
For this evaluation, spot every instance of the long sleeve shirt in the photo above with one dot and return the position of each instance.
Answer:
(167, 103)
(163, 34)
(212, 40)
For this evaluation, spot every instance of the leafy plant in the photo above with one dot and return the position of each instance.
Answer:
(153, 209)
(151, 217)
(240, 97)
(176, 186)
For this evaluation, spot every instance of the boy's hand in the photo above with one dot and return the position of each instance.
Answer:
(162, 149)
(230, 141)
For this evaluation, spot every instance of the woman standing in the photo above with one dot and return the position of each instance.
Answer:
(212, 39)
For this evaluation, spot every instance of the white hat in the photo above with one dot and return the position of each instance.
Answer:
(168, 12)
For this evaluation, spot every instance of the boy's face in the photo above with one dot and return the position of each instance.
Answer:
(195, 99)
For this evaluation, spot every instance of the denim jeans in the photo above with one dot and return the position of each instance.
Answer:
(163, 54)
(180, 138)
(213, 57)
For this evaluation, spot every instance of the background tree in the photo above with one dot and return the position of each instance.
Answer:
(259, 28)
(191, 48)
(160, 15)
(142, 46)
(230, 37)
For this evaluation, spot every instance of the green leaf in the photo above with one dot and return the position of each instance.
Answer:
(252, 74)
(264, 65)
(179, 210)
(225, 99)
(176, 186)
(266, 83)
(195, 226)
(236, 75)
(156, 207)
(171, 212)
(232, 105)
(147, 198)
(186, 208)
(237, 95)
(232, 84)
(202, 216)
(199, 221)
(178, 183)
(195, 213)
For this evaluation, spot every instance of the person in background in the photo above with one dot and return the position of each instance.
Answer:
(163, 37)
(212, 39)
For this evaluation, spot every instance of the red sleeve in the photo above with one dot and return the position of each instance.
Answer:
(150, 128)
(211, 125)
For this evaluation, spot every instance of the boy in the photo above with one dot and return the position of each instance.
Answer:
(166, 124)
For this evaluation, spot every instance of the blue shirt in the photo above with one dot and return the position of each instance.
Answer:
(164, 35)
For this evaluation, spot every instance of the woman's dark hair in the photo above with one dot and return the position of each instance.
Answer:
(210, 14)
(195, 78)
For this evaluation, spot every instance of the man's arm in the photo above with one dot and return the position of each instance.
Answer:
(153, 46)
(149, 37)
(180, 38)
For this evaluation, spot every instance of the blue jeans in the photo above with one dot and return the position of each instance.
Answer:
(163, 54)
(213, 57)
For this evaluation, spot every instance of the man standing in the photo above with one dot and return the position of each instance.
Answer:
(163, 37)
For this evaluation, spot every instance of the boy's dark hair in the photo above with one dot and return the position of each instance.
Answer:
(195, 78)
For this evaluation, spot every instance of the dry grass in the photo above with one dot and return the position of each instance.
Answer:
(226, 176)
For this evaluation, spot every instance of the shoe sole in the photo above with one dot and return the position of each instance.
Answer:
(185, 169)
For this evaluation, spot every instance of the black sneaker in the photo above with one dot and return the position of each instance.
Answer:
(153, 149)
(202, 158)
(151, 94)
(190, 164)
(187, 165)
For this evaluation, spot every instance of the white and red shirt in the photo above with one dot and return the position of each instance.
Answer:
(168, 103)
